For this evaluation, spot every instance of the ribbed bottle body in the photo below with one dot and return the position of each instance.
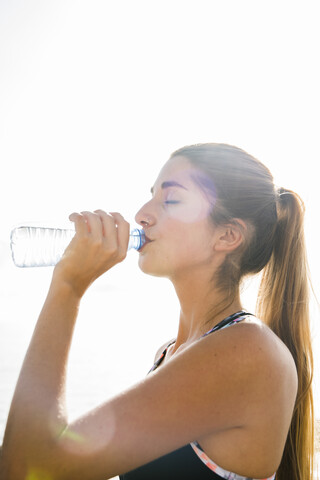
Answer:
(42, 246)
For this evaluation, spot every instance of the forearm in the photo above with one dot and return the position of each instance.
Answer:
(38, 410)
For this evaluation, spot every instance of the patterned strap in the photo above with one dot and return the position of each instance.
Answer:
(157, 363)
(226, 322)
(218, 470)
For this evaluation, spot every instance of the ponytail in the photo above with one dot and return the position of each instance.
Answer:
(283, 304)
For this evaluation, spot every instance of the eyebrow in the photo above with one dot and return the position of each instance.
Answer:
(168, 184)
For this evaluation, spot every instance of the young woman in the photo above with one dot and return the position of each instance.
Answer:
(230, 397)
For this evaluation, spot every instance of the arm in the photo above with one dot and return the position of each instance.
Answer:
(38, 409)
(139, 424)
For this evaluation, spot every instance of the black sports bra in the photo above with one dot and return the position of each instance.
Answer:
(189, 462)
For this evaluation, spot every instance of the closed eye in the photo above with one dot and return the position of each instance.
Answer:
(171, 202)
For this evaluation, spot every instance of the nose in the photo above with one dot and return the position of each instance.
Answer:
(144, 216)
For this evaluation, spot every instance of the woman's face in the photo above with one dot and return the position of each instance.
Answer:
(176, 221)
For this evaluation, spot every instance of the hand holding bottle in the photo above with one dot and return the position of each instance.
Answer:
(100, 242)
(39, 246)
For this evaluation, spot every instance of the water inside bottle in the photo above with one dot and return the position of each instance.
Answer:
(44, 246)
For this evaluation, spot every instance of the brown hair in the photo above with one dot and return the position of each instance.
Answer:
(244, 189)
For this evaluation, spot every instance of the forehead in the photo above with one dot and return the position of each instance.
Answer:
(178, 169)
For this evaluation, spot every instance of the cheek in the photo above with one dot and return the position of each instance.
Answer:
(190, 240)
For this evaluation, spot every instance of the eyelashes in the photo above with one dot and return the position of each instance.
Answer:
(171, 202)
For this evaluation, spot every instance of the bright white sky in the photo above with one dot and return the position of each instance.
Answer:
(95, 95)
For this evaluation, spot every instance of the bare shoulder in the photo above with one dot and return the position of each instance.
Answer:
(265, 340)
(254, 344)
(259, 339)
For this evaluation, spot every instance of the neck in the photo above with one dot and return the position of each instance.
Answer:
(202, 306)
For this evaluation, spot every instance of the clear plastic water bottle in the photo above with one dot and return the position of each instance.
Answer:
(43, 247)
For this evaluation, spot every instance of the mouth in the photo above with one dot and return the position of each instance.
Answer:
(147, 240)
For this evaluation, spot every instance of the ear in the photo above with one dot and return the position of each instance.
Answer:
(230, 236)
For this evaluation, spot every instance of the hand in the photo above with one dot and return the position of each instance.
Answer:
(101, 241)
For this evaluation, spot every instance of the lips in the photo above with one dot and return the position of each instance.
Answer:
(147, 240)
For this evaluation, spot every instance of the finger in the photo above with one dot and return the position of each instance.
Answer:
(108, 223)
(79, 223)
(94, 225)
(110, 230)
(123, 232)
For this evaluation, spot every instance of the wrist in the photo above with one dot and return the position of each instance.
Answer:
(65, 287)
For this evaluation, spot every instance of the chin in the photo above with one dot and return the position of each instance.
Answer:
(150, 268)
